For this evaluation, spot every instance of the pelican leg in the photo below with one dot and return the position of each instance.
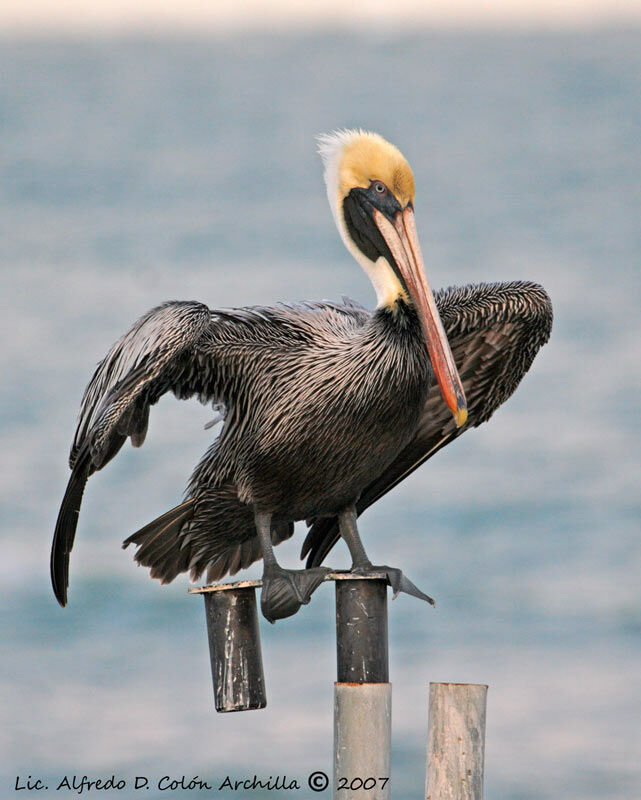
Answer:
(361, 565)
(284, 590)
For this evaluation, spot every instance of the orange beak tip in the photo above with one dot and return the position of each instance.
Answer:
(460, 416)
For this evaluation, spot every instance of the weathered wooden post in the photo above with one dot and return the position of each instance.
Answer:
(456, 741)
(234, 645)
(362, 693)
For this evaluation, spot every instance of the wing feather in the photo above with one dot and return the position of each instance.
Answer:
(114, 399)
(178, 347)
(141, 366)
(495, 331)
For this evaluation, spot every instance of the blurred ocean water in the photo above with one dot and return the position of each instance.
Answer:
(134, 171)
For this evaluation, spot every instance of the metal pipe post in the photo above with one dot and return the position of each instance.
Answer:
(456, 741)
(234, 645)
(362, 694)
(361, 630)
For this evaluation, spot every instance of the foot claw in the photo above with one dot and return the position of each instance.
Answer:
(397, 581)
(286, 590)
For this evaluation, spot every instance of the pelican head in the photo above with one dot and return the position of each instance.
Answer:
(370, 187)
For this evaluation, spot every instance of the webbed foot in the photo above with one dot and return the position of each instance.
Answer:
(286, 590)
(397, 581)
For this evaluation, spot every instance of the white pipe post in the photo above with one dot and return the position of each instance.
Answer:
(456, 741)
(362, 740)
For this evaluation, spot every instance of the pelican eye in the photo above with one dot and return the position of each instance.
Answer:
(379, 187)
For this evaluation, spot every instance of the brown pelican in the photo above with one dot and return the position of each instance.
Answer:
(327, 406)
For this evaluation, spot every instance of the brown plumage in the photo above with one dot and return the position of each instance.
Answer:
(495, 331)
(327, 406)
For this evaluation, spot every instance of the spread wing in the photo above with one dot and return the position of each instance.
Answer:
(495, 331)
(177, 347)
(155, 355)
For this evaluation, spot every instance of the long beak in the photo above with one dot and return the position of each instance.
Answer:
(402, 240)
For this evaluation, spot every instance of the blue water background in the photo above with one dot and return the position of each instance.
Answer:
(134, 171)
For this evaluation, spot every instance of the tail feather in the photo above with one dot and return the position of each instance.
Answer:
(160, 545)
(163, 544)
(321, 537)
(217, 536)
(65, 531)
